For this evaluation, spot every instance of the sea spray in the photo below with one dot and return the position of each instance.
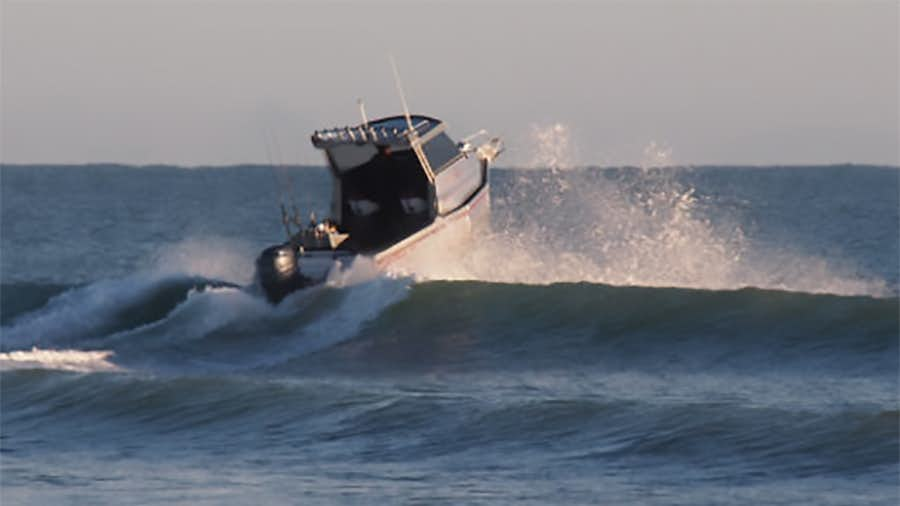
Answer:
(641, 226)
(552, 147)
(210, 256)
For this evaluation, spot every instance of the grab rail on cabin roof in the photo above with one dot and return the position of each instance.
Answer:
(361, 135)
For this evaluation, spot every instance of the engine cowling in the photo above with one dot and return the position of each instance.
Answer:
(278, 272)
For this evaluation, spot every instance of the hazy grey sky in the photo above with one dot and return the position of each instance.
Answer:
(197, 82)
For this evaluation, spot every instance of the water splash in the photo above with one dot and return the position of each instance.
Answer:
(208, 256)
(554, 147)
(358, 271)
(644, 227)
(637, 229)
(636, 226)
(656, 155)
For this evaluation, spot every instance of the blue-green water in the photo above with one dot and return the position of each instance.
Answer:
(713, 335)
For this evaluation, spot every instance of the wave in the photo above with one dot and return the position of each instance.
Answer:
(70, 314)
(182, 322)
(476, 326)
(748, 382)
(17, 299)
(634, 309)
(614, 335)
(312, 414)
(195, 324)
(233, 330)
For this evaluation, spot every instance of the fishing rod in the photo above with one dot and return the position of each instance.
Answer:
(290, 187)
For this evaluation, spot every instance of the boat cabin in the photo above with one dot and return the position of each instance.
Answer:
(393, 177)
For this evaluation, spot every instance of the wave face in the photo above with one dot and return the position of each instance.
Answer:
(704, 336)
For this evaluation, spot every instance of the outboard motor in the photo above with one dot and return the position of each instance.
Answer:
(278, 273)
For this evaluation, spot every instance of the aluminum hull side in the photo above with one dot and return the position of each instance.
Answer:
(447, 235)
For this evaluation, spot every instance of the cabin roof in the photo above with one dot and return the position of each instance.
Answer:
(389, 130)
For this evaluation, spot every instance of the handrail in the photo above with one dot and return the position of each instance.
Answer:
(361, 134)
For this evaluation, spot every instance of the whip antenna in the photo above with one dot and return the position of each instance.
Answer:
(278, 182)
(400, 92)
(362, 112)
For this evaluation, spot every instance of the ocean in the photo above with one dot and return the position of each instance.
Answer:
(676, 335)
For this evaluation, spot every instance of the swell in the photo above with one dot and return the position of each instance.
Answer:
(184, 322)
(756, 383)
(614, 310)
(296, 419)
(488, 325)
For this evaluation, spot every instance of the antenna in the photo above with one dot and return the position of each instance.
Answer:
(269, 143)
(400, 91)
(362, 112)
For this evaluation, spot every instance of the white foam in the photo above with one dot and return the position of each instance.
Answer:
(360, 270)
(202, 314)
(553, 147)
(79, 312)
(257, 334)
(88, 311)
(656, 240)
(62, 360)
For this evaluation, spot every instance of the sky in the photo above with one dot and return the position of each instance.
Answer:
(203, 82)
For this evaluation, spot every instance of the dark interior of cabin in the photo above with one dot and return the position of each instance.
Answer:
(385, 180)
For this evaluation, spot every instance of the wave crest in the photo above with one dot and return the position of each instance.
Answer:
(62, 360)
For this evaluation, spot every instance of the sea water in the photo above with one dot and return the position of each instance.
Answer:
(693, 335)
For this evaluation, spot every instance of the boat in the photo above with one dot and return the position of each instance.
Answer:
(401, 189)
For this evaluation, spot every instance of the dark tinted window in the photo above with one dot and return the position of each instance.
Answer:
(422, 123)
(440, 150)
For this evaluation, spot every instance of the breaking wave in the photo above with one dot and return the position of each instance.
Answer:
(99, 308)
(184, 322)
(229, 329)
